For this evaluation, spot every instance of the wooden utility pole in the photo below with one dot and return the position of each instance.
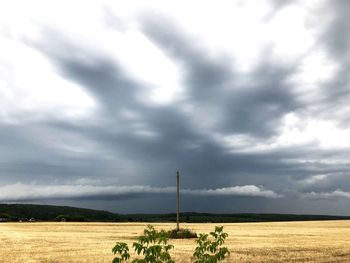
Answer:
(177, 201)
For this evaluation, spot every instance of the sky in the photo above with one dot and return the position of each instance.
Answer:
(101, 102)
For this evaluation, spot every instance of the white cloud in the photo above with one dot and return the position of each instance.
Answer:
(289, 33)
(245, 190)
(30, 88)
(294, 131)
(145, 62)
(19, 191)
(337, 194)
(315, 68)
(315, 179)
(325, 133)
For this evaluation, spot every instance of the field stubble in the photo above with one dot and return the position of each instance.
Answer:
(314, 241)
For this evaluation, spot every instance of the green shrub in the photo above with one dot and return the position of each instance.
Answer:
(153, 246)
(123, 250)
(211, 251)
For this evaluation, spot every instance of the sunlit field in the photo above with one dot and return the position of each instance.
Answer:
(317, 241)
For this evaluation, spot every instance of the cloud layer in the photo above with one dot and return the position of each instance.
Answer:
(240, 96)
(22, 192)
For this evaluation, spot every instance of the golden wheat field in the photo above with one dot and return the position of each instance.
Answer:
(316, 241)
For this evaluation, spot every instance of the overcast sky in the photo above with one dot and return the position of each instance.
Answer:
(101, 102)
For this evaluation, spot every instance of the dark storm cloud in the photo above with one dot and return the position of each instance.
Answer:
(177, 142)
(28, 156)
(169, 148)
(138, 145)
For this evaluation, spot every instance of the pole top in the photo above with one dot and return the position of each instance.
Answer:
(177, 173)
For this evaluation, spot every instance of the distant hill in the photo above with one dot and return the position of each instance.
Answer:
(55, 213)
(16, 212)
(193, 217)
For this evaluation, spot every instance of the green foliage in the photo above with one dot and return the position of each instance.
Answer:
(152, 245)
(211, 251)
(123, 250)
(181, 234)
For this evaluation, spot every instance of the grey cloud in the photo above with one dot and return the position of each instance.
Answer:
(175, 130)
(334, 40)
(335, 34)
(213, 83)
(279, 4)
(149, 148)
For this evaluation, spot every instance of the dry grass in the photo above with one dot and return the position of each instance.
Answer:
(324, 241)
